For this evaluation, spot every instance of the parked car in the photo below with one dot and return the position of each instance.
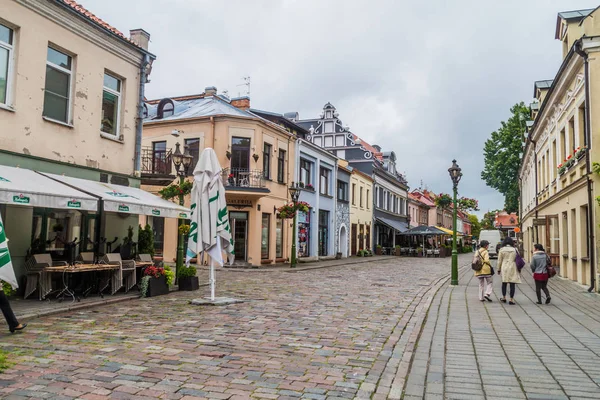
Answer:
(495, 238)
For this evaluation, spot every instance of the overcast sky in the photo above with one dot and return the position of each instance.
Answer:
(429, 80)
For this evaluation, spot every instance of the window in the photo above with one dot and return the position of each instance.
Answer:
(328, 114)
(6, 63)
(281, 166)
(166, 108)
(267, 160)
(328, 127)
(354, 194)
(57, 94)
(342, 191)
(318, 141)
(265, 234)
(161, 162)
(368, 199)
(583, 226)
(279, 238)
(328, 141)
(193, 146)
(305, 172)
(324, 181)
(339, 140)
(323, 232)
(563, 146)
(580, 125)
(574, 234)
(572, 145)
(111, 104)
(554, 161)
(360, 199)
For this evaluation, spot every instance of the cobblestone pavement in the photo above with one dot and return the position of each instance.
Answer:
(474, 350)
(341, 332)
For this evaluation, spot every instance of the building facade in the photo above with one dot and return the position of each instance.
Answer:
(83, 123)
(418, 211)
(258, 160)
(557, 184)
(361, 211)
(343, 210)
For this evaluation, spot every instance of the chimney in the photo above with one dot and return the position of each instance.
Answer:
(140, 37)
(377, 147)
(243, 103)
(210, 91)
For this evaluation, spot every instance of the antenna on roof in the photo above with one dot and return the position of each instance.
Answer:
(247, 84)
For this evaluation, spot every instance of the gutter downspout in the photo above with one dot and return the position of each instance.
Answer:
(578, 47)
(535, 173)
(137, 162)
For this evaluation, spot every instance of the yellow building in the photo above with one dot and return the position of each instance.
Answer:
(557, 184)
(361, 210)
(257, 157)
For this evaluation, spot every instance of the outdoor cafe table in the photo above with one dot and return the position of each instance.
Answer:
(81, 268)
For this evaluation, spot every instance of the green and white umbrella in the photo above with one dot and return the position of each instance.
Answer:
(210, 231)
(7, 273)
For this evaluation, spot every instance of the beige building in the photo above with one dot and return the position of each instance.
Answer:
(257, 157)
(557, 186)
(361, 210)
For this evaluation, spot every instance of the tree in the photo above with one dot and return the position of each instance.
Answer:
(502, 155)
(475, 226)
(487, 222)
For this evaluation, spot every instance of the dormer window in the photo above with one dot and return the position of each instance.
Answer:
(166, 108)
(328, 115)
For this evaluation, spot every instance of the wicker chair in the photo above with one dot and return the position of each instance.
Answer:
(37, 277)
(126, 270)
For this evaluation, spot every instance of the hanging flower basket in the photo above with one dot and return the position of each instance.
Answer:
(289, 210)
(443, 200)
(174, 190)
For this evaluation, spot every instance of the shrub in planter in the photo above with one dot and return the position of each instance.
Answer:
(419, 251)
(156, 281)
(187, 278)
(398, 250)
(368, 253)
(378, 250)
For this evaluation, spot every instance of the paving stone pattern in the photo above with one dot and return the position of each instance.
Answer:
(335, 333)
(480, 350)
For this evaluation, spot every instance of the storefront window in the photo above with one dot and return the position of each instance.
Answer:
(265, 233)
(323, 232)
(279, 238)
(303, 233)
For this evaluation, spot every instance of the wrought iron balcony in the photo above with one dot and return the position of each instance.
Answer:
(156, 162)
(240, 178)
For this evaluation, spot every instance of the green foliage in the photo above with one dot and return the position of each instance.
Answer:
(487, 222)
(502, 156)
(443, 201)
(467, 204)
(8, 290)
(185, 272)
(5, 363)
(129, 238)
(475, 226)
(169, 275)
(144, 285)
(175, 190)
(146, 240)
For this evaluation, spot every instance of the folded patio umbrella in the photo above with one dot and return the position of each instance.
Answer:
(210, 231)
(7, 273)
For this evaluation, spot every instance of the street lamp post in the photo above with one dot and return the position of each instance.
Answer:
(179, 160)
(455, 175)
(294, 194)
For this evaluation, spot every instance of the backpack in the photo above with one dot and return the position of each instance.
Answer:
(477, 263)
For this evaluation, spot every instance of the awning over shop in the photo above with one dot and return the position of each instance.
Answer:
(424, 231)
(24, 187)
(448, 231)
(125, 199)
(394, 224)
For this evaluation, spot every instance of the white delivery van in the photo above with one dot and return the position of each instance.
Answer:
(494, 237)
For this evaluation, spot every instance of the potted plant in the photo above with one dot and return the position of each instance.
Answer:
(156, 281)
(368, 253)
(187, 278)
(309, 186)
(398, 253)
(580, 152)
(146, 240)
(360, 253)
(378, 250)
(419, 252)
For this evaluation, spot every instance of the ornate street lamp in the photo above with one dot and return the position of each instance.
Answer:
(455, 175)
(294, 194)
(180, 160)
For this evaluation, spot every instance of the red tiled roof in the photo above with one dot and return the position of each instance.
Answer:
(505, 219)
(376, 153)
(87, 14)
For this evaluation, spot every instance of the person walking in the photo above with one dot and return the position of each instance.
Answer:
(485, 274)
(13, 323)
(539, 267)
(507, 269)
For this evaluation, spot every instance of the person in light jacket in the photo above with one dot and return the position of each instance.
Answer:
(507, 268)
(539, 263)
(13, 323)
(484, 275)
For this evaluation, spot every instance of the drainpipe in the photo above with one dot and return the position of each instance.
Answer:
(587, 141)
(140, 119)
(535, 173)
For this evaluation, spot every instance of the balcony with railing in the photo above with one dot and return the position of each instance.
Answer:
(157, 166)
(241, 179)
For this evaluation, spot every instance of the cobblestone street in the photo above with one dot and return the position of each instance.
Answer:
(337, 332)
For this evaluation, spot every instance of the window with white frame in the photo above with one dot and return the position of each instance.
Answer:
(57, 92)
(328, 141)
(324, 181)
(111, 105)
(328, 127)
(6, 63)
(318, 141)
(339, 140)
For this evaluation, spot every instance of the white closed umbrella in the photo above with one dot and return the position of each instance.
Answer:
(210, 231)
(7, 273)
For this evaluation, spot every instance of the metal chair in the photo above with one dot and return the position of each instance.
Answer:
(86, 257)
(126, 270)
(37, 277)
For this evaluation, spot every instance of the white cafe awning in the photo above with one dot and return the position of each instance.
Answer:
(24, 187)
(125, 199)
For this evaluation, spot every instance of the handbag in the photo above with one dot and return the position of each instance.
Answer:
(551, 270)
(519, 261)
(493, 272)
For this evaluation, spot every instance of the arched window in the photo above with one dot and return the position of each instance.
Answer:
(166, 108)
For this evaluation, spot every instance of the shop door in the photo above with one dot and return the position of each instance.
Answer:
(354, 239)
(323, 232)
(239, 230)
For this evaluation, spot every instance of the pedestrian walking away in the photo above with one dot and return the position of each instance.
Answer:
(485, 274)
(539, 267)
(13, 323)
(507, 269)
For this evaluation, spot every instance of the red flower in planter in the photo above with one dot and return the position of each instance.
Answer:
(568, 158)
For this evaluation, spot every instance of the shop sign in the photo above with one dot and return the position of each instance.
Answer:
(74, 204)
(155, 212)
(123, 207)
(183, 215)
(239, 203)
(21, 199)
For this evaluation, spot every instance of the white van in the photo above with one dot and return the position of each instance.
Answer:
(494, 237)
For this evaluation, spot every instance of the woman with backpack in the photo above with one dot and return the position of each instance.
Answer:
(482, 258)
(539, 267)
(507, 268)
